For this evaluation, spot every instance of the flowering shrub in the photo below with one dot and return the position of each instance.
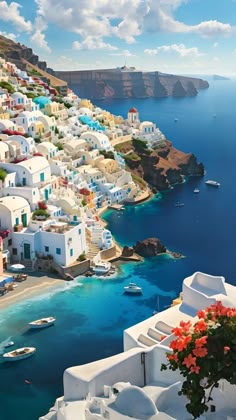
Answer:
(204, 353)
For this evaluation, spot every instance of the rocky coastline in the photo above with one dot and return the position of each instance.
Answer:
(146, 248)
(160, 168)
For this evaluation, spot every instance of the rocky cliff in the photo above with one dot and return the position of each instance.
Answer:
(129, 83)
(160, 168)
(17, 53)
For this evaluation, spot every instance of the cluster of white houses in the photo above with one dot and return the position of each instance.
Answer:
(58, 166)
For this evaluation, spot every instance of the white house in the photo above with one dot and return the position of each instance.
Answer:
(26, 144)
(97, 140)
(130, 385)
(14, 210)
(20, 98)
(47, 149)
(4, 152)
(32, 172)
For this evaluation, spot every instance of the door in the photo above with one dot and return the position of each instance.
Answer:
(23, 181)
(27, 251)
(24, 219)
(46, 194)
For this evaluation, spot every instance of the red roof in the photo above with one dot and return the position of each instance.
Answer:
(134, 110)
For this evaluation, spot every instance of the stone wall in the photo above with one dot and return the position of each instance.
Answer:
(106, 254)
(50, 266)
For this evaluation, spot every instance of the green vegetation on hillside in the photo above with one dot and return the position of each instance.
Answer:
(7, 86)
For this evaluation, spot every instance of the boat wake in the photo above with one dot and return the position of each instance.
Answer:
(3, 344)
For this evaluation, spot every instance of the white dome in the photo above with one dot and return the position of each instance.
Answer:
(133, 402)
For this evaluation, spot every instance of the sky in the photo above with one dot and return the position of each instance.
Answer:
(172, 36)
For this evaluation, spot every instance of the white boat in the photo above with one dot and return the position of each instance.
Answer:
(212, 183)
(178, 204)
(132, 288)
(19, 354)
(42, 323)
(196, 190)
(101, 267)
(9, 344)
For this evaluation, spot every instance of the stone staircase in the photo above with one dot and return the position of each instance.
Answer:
(93, 251)
(28, 265)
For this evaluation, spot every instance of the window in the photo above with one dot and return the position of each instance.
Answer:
(58, 251)
(14, 251)
(46, 248)
(42, 177)
(9, 242)
(71, 252)
(17, 221)
(79, 231)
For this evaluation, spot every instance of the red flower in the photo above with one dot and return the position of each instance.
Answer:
(226, 349)
(201, 314)
(200, 352)
(163, 337)
(195, 369)
(173, 357)
(200, 342)
(200, 326)
(189, 361)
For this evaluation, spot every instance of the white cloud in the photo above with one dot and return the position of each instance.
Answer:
(180, 49)
(9, 35)
(11, 13)
(125, 19)
(93, 44)
(212, 28)
(124, 53)
(38, 37)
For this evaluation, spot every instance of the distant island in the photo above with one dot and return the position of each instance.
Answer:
(127, 82)
(217, 77)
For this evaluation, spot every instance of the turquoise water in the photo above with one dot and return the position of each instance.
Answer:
(93, 312)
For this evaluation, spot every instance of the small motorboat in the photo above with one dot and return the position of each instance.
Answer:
(178, 204)
(132, 288)
(19, 354)
(212, 183)
(196, 191)
(101, 267)
(42, 323)
(9, 344)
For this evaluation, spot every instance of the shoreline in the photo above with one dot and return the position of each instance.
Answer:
(33, 286)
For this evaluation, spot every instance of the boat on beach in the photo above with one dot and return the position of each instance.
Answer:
(19, 354)
(42, 323)
(132, 288)
(212, 183)
(101, 267)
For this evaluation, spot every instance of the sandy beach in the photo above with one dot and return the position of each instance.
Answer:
(34, 285)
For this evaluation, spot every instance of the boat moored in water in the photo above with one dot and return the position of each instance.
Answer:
(178, 204)
(9, 344)
(101, 267)
(212, 183)
(19, 354)
(196, 191)
(132, 288)
(42, 323)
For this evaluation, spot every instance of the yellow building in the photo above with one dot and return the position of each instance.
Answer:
(86, 103)
(109, 166)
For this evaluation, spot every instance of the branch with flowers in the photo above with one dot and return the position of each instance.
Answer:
(204, 353)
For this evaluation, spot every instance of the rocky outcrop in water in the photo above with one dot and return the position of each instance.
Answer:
(149, 247)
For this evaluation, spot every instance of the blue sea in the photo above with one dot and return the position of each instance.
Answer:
(93, 312)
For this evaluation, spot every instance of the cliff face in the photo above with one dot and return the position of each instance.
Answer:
(17, 53)
(160, 168)
(120, 83)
